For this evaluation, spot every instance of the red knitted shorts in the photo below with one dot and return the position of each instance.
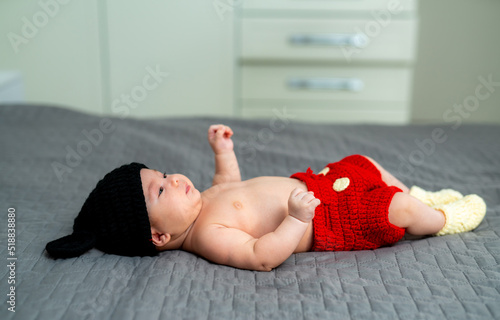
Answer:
(354, 212)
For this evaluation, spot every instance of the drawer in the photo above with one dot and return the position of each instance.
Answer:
(336, 5)
(320, 83)
(327, 40)
(387, 112)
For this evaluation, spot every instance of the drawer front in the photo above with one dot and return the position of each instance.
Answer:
(327, 40)
(348, 5)
(387, 112)
(322, 83)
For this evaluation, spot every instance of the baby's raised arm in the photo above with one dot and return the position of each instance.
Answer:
(233, 247)
(226, 164)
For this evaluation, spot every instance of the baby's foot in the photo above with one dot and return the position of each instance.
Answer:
(434, 198)
(462, 215)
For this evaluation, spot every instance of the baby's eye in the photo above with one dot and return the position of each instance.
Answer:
(161, 188)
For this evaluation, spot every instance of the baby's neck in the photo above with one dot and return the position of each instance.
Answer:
(176, 242)
(183, 241)
(185, 237)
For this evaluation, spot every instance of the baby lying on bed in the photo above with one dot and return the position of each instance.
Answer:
(353, 204)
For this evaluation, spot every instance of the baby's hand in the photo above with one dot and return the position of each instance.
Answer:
(219, 137)
(301, 205)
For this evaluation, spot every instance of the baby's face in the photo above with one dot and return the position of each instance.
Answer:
(172, 201)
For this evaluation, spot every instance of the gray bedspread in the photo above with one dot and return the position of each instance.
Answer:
(51, 158)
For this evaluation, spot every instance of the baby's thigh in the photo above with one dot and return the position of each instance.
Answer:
(387, 177)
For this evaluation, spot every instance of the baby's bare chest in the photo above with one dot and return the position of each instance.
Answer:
(256, 206)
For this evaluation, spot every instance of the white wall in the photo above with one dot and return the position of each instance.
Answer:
(459, 41)
(187, 44)
(56, 49)
(94, 54)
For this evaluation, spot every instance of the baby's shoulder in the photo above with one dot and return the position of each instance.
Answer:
(203, 231)
(212, 241)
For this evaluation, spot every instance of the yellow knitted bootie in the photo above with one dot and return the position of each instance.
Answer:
(434, 198)
(462, 215)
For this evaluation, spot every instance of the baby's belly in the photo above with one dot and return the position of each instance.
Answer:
(256, 206)
(274, 192)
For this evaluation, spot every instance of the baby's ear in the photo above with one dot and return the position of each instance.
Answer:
(160, 239)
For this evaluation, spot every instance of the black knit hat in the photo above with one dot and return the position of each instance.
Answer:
(113, 219)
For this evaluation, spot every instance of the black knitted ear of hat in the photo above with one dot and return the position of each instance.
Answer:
(113, 219)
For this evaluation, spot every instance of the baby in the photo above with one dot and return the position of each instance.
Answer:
(353, 204)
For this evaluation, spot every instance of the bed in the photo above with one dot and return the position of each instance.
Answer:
(52, 157)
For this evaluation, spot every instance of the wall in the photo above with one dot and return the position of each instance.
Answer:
(459, 43)
(56, 48)
(185, 45)
(138, 58)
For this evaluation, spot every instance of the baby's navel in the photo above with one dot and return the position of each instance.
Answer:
(237, 205)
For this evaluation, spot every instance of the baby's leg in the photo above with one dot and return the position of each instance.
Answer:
(408, 212)
(388, 178)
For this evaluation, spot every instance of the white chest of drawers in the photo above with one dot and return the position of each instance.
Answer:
(326, 60)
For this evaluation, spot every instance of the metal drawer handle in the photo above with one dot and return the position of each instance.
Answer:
(358, 40)
(343, 84)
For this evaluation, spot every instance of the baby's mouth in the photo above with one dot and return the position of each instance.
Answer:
(187, 188)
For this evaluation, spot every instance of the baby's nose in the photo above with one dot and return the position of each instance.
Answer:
(174, 182)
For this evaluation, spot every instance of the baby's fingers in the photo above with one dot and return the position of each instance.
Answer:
(295, 192)
(212, 131)
(309, 198)
(213, 128)
(220, 131)
(228, 132)
(315, 202)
